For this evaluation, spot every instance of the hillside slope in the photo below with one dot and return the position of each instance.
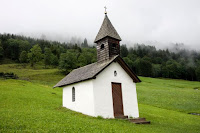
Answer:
(29, 104)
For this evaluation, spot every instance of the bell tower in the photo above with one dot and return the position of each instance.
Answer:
(107, 41)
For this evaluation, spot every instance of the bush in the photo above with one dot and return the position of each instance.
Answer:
(8, 75)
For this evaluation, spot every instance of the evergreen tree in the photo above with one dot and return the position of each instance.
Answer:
(85, 43)
(47, 56)
(1, 50)
(198, 73)
(23, 57)
(54, 60)
(128, 61)
(156, 70)
(190, 73)
(12, 49)
(145, 68)
(143, 59)
(173, 69)
(123, 51)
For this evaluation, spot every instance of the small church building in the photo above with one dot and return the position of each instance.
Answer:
(105, 88)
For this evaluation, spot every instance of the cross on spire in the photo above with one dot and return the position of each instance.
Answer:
(105, 10)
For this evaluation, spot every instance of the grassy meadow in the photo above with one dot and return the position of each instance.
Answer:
(29, 104)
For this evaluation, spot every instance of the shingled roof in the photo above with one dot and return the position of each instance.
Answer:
(92, 70)
(107, 29)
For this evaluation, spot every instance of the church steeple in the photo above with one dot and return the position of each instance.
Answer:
(107, 29)
(107, 41)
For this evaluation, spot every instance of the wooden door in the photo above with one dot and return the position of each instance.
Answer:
(117, 99)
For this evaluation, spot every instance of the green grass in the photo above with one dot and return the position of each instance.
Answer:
(45, 76)
(179, 95)
(33, 106)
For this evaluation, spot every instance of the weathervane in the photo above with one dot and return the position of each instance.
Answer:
(105, 10)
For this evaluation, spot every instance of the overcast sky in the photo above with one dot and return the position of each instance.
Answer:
(158, 22)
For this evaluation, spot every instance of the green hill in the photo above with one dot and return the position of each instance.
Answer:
(29, 104)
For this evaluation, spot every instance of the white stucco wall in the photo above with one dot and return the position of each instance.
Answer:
(94, 97)
(103, 102)
(84, 101)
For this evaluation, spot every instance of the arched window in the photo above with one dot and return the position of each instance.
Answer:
(73, 94)
(102, 46)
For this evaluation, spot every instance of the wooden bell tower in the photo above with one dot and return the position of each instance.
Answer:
(107, 41)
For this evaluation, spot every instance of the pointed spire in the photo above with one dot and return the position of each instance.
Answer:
(107, 29)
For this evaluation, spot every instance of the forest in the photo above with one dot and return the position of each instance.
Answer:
(144, 60)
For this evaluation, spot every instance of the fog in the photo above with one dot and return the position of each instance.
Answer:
(153, 22)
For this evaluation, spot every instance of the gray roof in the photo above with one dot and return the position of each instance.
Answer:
(83, 73)
(107, 29)
(91, 71)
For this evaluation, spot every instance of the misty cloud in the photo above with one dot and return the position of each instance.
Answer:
(153, 22)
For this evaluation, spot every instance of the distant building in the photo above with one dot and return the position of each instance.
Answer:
(106, 88)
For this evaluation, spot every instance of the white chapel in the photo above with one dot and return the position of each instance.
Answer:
(105, 88)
